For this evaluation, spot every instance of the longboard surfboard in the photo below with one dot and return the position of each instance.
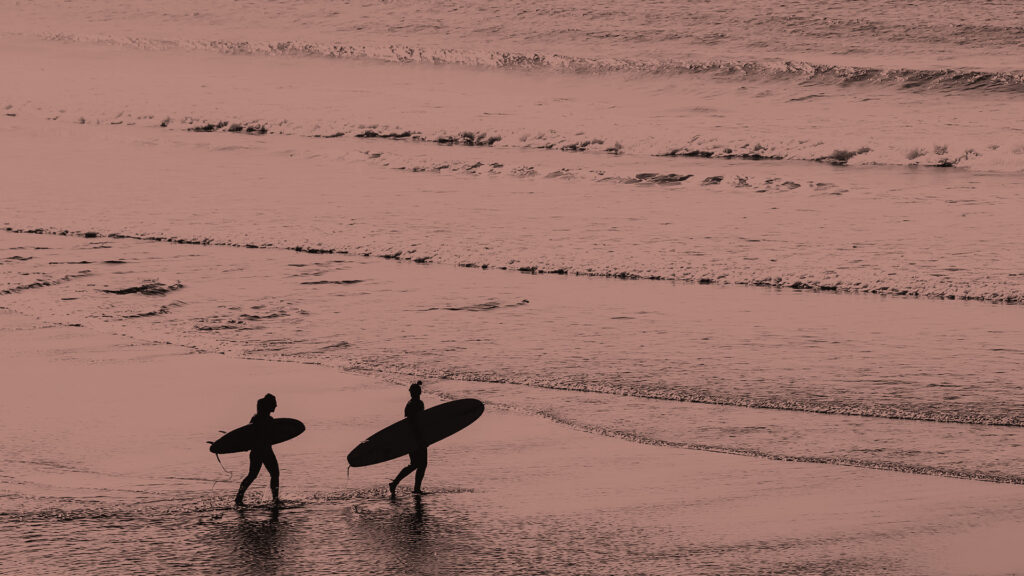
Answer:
(436, 423)
(243, 439)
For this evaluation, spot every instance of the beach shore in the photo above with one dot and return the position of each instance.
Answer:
(109, 432)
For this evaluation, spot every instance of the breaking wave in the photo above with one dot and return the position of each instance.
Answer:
(805, 73)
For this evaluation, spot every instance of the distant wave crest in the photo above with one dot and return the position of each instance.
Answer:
(946, 79)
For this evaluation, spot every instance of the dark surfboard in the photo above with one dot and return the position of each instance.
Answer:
(436, 423)
(241, 439)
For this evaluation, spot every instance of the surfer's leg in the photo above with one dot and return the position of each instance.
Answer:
(254, 469)
(403, 473)
(419, 460)
(270, 461)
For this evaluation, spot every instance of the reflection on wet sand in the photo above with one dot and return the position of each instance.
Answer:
(404, 533)
(259, 541)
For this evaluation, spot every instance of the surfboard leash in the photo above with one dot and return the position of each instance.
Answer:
(230, 474)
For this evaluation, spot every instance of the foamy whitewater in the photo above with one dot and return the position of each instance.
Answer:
(785, 231)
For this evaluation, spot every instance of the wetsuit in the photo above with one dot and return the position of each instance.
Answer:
(261, 455)
(418, 457)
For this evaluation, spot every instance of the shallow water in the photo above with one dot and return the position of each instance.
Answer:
(946, 234)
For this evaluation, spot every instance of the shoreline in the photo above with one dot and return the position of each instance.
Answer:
(514, 341)
(510, 468)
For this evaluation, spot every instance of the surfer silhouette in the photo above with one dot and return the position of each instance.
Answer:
(262, 454)
(417, 457)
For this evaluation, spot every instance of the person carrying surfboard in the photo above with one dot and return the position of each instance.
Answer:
(418, 456)
(262, 455)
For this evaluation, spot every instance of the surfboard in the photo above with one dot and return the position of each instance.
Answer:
(241, 439)
(436, 423)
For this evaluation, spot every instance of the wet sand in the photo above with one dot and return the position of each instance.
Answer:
(512, 494)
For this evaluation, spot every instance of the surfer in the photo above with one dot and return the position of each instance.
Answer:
(418, 457)
(262, 454)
